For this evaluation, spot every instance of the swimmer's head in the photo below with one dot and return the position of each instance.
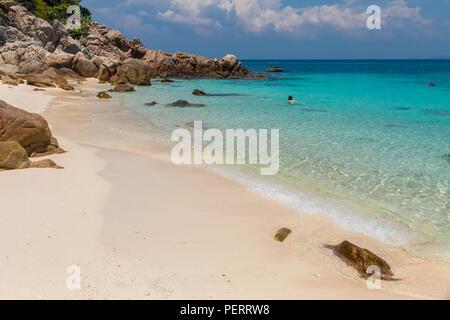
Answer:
(290, 98)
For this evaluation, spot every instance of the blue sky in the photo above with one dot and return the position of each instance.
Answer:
(283, 29)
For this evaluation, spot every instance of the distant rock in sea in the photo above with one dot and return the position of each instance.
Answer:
(198, 92)
(275, 69)
(185, 104)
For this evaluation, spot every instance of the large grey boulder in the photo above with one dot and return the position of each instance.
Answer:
(84, 66)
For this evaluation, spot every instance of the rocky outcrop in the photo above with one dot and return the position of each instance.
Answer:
(361, 259)
(178, 65)
(30, 45)
(30, 130)
(185, 104)
(13, 156)
(105, 42)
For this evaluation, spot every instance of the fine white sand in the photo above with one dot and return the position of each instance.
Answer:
(140, 227)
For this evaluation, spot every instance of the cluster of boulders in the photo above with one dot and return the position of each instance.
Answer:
(31, 46)
(23, 135)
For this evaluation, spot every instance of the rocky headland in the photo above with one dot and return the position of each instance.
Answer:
(44, 52)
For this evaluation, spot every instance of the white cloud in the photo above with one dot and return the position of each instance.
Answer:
(260, 15)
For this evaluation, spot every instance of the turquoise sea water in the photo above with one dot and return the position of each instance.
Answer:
(365, 149)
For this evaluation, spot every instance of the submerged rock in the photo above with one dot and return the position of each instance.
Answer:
(184, 103)
(30, 130)
(361, 259)
(123, 88)
(198, 92)
(150, 104)
(282, 234)
(446, 157)
(274, 69)
(103, 95)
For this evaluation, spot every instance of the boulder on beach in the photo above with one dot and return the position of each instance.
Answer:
(198, 92)
(185, 104)
(11, 81)
(361, 259)
(103, 95)
(39, 80)
(282, 234)
(84, 66)
(274, 69)
(135, 72)
(13, 156)
(123, 88)
(150, 104)
(30, 130)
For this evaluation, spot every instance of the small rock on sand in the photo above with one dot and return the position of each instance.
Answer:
(282, 234)
(103, 95)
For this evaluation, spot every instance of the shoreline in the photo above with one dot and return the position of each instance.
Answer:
(255, 265)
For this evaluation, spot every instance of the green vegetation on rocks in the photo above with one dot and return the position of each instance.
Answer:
(51, 10)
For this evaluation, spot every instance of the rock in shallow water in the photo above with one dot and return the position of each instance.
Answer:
(361, 259)
(198, 92)
(123, 88)
(150, 104)
(282, 234)
(185, 104)
(103, 95)
(274, 69)
(446, 157)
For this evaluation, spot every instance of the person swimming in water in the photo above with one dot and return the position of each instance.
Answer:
(292, 101)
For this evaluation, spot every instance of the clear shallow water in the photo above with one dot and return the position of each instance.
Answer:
(366, 148)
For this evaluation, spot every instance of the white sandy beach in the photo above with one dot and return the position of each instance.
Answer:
(140, 227)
